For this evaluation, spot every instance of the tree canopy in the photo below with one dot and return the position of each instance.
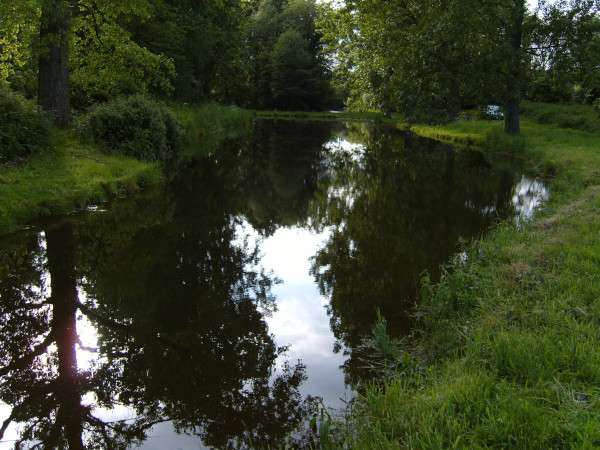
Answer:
(427, 59)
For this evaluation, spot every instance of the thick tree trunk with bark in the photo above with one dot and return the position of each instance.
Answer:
(53, 75)
(511, 117)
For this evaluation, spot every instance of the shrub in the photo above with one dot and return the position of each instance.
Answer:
(597, 107)
(24, 129)
(547, 90)
(135, 126)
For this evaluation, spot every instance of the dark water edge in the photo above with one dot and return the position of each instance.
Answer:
(217, 306)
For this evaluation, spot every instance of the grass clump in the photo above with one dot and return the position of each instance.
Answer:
(24, 129)
(135, 126)
(211, 118)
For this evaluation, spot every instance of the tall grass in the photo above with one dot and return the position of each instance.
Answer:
(578, 117)
(211, 118)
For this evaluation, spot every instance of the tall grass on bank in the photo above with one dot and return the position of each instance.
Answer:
(73, 173)
(509, 338)
(211, 118)
(578, 117)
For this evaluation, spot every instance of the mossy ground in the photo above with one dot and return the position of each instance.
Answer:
(508, 342)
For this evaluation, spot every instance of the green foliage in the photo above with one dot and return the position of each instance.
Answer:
(135, 126)
(211, 118)
(106, 62)
(24, 129)
(296, 83)
(19, 28)
(547, 90)
(285, 66)
(597, 107)
(568, 39)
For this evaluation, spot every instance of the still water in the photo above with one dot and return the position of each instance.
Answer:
(212, 312)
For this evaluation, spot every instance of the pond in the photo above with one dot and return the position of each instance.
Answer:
(211, 312)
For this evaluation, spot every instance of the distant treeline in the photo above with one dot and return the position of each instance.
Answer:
(258, 54)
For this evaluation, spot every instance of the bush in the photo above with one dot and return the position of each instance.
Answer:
(24, 129)
(547, 90)
(597, 107)
(135, 126)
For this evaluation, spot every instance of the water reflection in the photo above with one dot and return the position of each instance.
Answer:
(178, 311)
(175, 307)
(398, 206)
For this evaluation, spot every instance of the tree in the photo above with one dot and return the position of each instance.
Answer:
(286, 69)
(53, 74)
(294, 75)
(566, 47)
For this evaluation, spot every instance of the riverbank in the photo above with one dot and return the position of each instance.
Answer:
(507, 342)
(73, 173)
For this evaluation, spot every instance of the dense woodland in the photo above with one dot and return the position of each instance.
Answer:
(425, 59)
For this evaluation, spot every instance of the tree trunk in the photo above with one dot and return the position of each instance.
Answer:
(64, 300)
(511, 117)
(53, 75)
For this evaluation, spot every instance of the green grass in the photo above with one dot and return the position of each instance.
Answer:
(578, 117)
(73, 173)
(67, 177)
(508, 340)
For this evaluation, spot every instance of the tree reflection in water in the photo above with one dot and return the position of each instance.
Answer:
(397, 206)
(179, 314)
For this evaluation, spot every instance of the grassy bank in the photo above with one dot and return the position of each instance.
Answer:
(73, 173)
(212, 119)
(65, 178)
(508, 346)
